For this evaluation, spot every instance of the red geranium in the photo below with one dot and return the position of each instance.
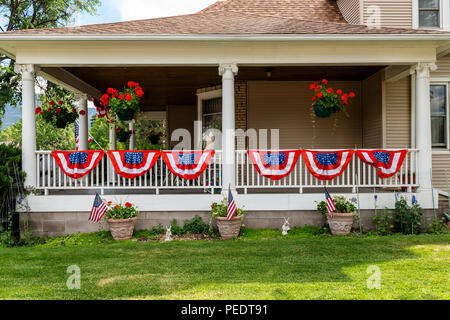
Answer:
(74, 110)
(330, 90)
(49, 108)
(104, 99)
(320, 95)
(38, 110)
(82, 112)
(129, 97)
(60, 102)
(122, 96)
(128, 205)
(352, 95)
(325, 81)
(52, 103)
(339, 92)
(58, 111)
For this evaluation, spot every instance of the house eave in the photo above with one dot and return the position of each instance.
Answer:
(225, 37)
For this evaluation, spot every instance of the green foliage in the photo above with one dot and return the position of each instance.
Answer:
(100, 132)
(57, 106)
(196, 225)
(383, 224)
(175, 228)
(407, 218)
(342, 206)
(143, 129)
(437, 226)
(119, 211)
(47, 136)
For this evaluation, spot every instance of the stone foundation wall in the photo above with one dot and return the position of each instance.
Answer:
(63, 223)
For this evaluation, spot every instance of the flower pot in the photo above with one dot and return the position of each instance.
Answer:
(126, 115)
(61, 123)
(323, 112)
(341, 223)
(122, 229)
(229, 229)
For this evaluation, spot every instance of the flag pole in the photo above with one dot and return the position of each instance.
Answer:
(359, 207)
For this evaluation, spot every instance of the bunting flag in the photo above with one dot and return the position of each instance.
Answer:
(388, 162)
(274, 165)
(187, 164)
(132, 164)
(77, 164)
(327, 165)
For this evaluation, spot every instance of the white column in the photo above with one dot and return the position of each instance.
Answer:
(83, 122)
(133, 135)
(28, 123)
(228, 71)
(423, 124)
(112, 137)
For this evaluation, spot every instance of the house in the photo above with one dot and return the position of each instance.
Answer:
(249, 64)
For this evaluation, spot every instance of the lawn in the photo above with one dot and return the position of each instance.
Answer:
(261, 265)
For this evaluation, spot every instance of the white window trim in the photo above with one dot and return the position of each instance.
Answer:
(444, 15)
(199, 125)
(446, 150)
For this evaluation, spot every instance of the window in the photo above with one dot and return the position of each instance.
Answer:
(429, 14)
(438, 95)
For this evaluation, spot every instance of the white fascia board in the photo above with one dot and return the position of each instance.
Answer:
(226, 37)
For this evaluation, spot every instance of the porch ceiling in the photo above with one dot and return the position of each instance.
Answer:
(178, 85)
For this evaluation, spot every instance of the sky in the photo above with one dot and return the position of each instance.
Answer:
(123, 10)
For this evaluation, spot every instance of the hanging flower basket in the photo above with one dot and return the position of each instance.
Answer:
(327, 100)
(123, 104)
(154, 137)
(58, 114)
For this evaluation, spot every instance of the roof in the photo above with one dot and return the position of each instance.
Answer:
(238, 17)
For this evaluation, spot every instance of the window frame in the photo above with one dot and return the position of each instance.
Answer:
(446, 146)
(444, 15)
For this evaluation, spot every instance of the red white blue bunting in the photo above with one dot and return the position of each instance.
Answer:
(327, 165)
(77, 164)
(274, 165)
(187, 164)
(388, 162)
(132, 164)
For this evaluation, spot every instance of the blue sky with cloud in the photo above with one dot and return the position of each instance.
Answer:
(123, 10)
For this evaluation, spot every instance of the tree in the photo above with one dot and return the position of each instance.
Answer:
(32, 14)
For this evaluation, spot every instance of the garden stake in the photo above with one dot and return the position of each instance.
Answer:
(359, 209)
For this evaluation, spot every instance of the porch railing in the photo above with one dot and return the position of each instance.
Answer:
(103, 177)
(50, 177)
(300, 178)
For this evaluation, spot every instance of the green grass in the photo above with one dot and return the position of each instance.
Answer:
(262, 265)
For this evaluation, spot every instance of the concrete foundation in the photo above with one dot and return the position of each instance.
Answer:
(63, 223)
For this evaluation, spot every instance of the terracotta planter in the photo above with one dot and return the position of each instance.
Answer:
(229, 229)
(122, 229)
(341, 223)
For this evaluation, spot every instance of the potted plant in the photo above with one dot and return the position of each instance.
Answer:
(155, 137)
(59, 114)
(227, 229)
(123, 104)
(340, 221)
(121, 220)
(123, 134)
(327, 100)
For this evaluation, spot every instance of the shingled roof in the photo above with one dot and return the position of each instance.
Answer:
(238, 17)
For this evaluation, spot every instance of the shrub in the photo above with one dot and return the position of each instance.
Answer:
(407, 218)
(196, 225)
(175, 228)
(383, 225)
(437, 226)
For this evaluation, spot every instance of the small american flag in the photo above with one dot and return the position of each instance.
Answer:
(330, 204)
(231, 210)
(77, 136)
(98, 209)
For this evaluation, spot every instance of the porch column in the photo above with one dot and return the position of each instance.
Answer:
(83, 122)
(133, 135)
(423, 124)
(228, 71)
(112, 137)
(28, 123)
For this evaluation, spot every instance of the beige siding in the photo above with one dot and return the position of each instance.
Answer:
(286, 106)
(441, 167)
(372, 112)
(394, 13)
(350, 10)
(398, 114)
(443, 68)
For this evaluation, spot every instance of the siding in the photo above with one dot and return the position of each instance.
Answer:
(350, 10)
(286, 106)
(398, 114)
(441, 167)
(443, 68)
(372, 112)
(394, 13)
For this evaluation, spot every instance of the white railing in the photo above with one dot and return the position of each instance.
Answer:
(103, 177)
(248, 178)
